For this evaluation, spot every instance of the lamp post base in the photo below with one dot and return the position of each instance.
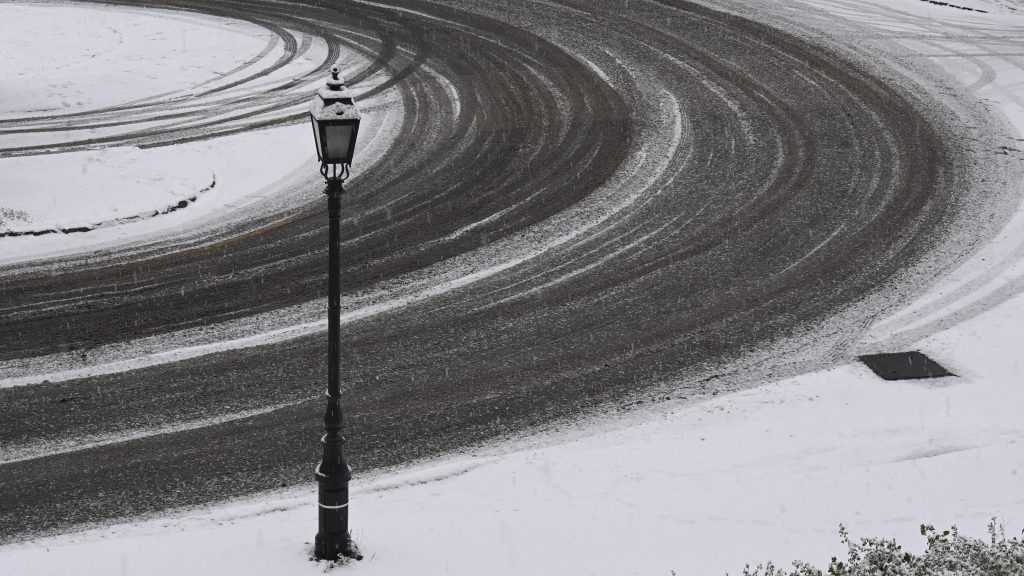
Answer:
(333, 541)
(324, 551)
(333, 550)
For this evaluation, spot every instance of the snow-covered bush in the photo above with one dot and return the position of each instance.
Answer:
(8, 214)
(948, 554)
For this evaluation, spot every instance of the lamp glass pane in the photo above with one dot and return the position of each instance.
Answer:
(316, 134)
(338, 139)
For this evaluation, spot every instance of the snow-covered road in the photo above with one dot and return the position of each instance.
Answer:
(695, 488)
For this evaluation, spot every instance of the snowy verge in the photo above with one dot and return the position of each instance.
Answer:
(114, 55)
(100, 188)
(126, 195)
(113, 195)
(123, 66)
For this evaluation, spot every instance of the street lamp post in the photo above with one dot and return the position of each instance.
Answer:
(335, 126)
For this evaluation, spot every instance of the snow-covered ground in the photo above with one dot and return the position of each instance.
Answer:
(116, 186)
(691, 487)
(104, 197)
(112, 56)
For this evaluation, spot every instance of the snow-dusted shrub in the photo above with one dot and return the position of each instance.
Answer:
(948, 554)
(8, 214)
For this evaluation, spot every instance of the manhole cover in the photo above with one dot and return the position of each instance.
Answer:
(904, 366)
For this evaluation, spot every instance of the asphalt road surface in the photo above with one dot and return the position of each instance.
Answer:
(753, 184)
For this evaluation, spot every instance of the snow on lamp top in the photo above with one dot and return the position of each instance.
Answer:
(335, 121)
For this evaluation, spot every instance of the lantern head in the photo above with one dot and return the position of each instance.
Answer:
(335, 122)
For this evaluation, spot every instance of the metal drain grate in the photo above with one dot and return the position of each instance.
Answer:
(904, 366)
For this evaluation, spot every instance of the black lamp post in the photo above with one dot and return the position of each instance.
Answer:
(335, 126)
